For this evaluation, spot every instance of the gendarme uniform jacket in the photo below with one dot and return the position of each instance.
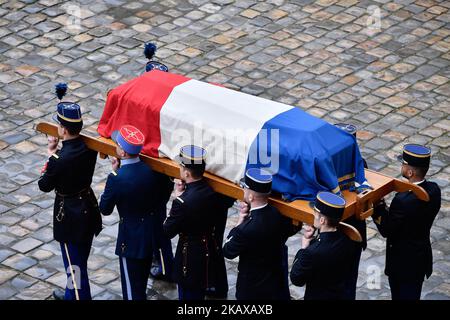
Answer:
(259, 241)
(76, 217)
(136, 190)
(192, 217)
(324, 266)
(406, 225)
(360, 225)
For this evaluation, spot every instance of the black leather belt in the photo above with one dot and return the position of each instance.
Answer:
(187, 237)
(73, 195)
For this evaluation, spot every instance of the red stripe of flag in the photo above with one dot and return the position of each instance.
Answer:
(138, 102)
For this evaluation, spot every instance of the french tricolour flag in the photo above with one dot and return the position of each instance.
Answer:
(238, 130)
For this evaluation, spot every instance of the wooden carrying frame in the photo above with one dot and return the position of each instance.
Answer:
(299, 211)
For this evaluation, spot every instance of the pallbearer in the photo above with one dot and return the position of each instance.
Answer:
(360, 225)
(406, 224)
(259, 240)
(76, 218)
(192, 218)
(323, 263)
(162, 264)
(135, 190)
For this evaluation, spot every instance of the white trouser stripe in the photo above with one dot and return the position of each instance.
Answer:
(162, 262)
(127, 279)
(74, 280)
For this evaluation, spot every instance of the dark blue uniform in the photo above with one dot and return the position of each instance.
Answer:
(352, 280)
(162, 246)
(192, 217)
(76, 217)
(135, 190)
(360, 225)
(218, 279)
(324, 266)
(260, 243)
(406, 225)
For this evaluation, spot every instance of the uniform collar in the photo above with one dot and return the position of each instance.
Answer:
(194, 183)
(327, 234)
(71, 141)
(124, 162)
(419, 182)
(260, 207)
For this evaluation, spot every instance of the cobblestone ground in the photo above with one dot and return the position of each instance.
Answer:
(334, 59)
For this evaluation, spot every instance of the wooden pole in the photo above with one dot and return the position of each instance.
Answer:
(299, 211)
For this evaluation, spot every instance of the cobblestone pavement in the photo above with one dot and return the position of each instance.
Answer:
(334, 59)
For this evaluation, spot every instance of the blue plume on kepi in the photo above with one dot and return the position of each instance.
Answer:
(149, 50)
(60, 90)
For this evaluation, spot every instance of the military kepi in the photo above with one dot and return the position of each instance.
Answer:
(149, 52)
(349, 128)
(258, 180)
(129, 138)
(330, 204)
(192, 156)
(416, 155)
(67, 113)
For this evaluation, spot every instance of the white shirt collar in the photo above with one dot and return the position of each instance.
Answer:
(260, 207)
(124, 162)
(419, 182)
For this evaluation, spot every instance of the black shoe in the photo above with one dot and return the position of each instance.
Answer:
(155, 273)
(58, 294)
